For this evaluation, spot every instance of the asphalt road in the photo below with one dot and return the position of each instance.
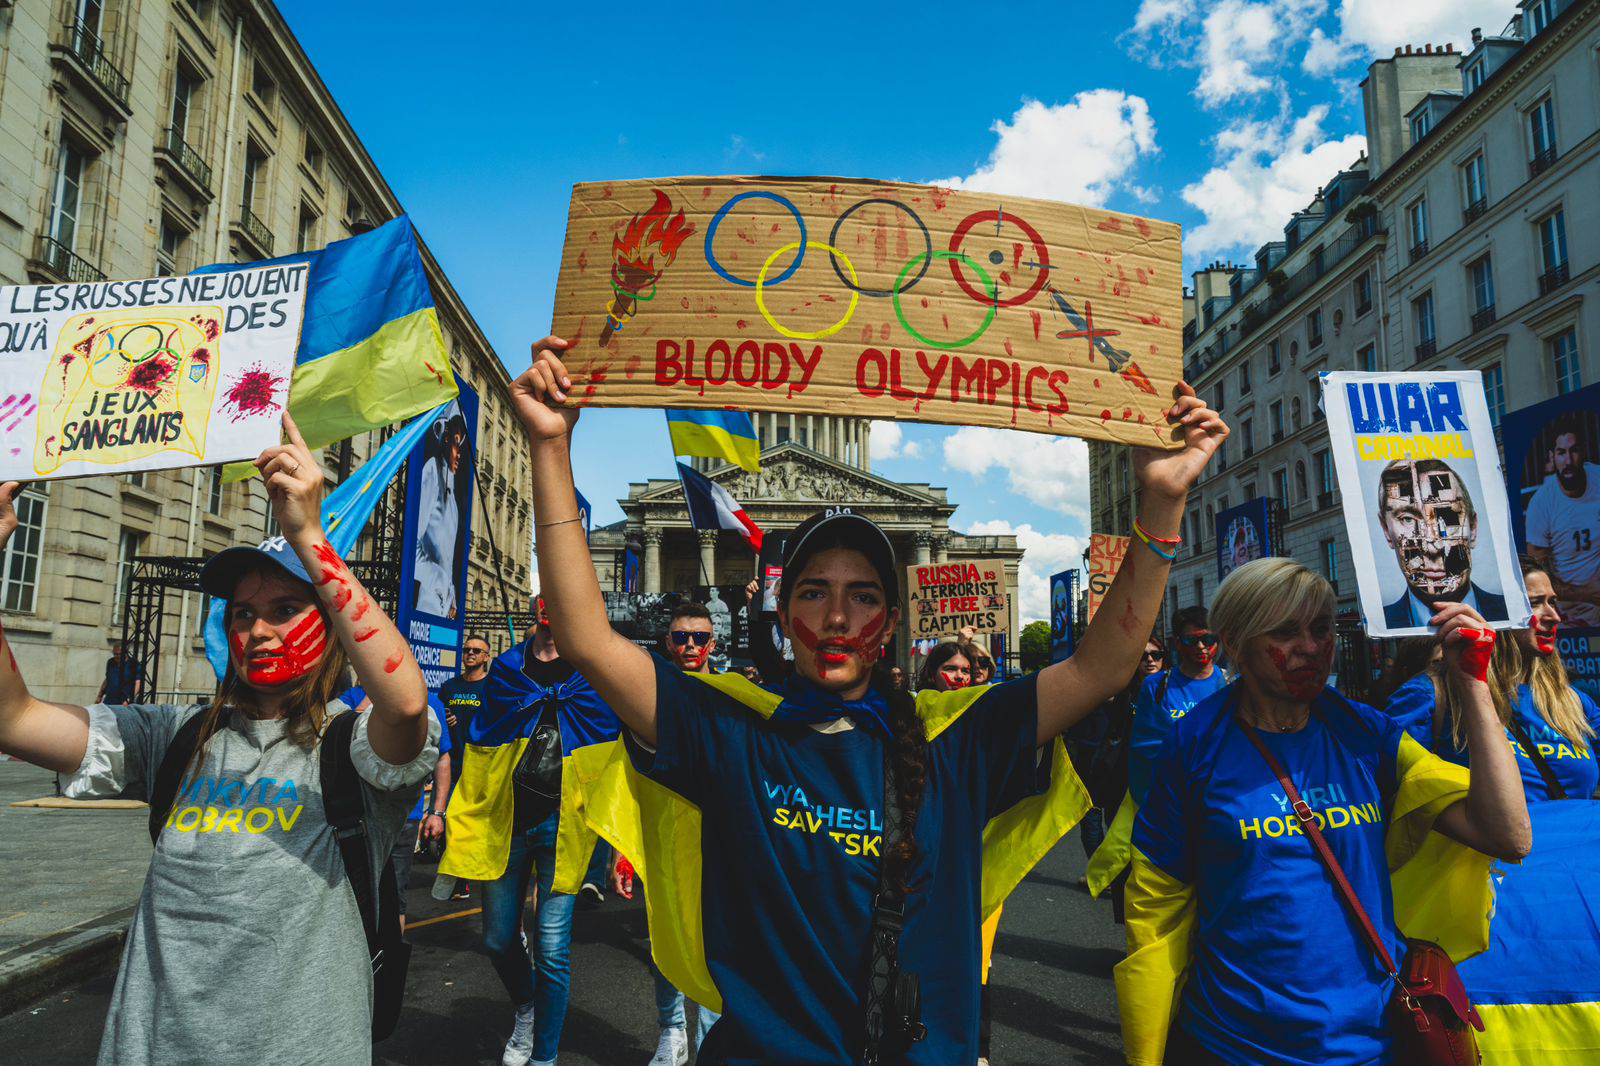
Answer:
(1052, 996)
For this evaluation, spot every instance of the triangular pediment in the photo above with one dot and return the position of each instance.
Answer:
(792, 473)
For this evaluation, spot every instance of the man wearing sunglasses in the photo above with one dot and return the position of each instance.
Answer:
(462, 697)
(690, 638)
(1167, 696)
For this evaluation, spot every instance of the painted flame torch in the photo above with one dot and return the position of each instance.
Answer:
(644, 250)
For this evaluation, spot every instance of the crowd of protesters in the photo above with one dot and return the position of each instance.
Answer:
(827, 843)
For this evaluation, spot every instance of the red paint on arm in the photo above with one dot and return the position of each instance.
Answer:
(1474, 661)
(368, 635)
(393, 662)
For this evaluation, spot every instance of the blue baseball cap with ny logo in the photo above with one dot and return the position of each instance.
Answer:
(222, 571)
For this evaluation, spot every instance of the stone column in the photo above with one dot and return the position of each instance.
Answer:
(708, 556)
(923, 541)
(941, 549)
(811, 433)
(652, 562)
(866, 446)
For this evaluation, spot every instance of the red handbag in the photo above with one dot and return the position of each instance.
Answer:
(1432, 1017)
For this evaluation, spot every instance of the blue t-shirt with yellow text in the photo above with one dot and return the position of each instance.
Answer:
(791, 847)
(1154, 711)
(1571, 759)
(1279, 972)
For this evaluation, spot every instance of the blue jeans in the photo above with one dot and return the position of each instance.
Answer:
(599, 871)
(546, 982)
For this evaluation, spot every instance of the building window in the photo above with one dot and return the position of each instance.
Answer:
(1244, 378)
(127, 550)
(1316, 401)
(1274, 360)
(783, 434)
(1480, 278)
(1367, 358)
(1249, 490)
(184, 85)
(1494, 390)
(262, 85)
(1475, 187)
(1330, 562)
(1536, 19)
(1275, 419)
(1473, 78)
(1417, 224)
(313, 156)
(169, 246)
(1553, 251)
(1325, 477)
(1222, 393)
(19, 565)
(1421, 123)
(1427, 337)
(1280, 487)
(255, 163)
(1363, 293)
(214, 495)
(305, 233)
(1314, 329)
(1542, 135)
(1247, 432)
(1564, 355)
(67, 201)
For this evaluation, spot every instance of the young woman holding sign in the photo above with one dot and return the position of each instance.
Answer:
(247, 907)
(784, 796)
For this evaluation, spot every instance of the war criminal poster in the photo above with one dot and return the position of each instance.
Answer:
(876, 299)
(1424, 498)
(106, 377)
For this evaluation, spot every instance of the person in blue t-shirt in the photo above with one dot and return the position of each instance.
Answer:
(1277, 969)
(1166, 697)
(789, 781)
(1549, 725)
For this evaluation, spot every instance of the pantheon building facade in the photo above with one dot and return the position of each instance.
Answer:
(808, 462)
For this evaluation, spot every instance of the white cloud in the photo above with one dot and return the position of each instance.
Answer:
(1044, 554)
(1326, 55)
(888, 441)
(1267, 171)
(1052, 472)
(1161, 15)
(1379, 26)
(1081, 152)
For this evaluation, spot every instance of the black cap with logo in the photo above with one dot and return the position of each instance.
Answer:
(835, 526)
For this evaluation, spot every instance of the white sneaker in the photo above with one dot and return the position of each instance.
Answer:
(673, 1050)
(519, 1049)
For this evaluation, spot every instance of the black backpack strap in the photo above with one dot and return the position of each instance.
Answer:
(1161, 689)
(893, 1008)
(1551, 784)
(163, 790)
(346, 813)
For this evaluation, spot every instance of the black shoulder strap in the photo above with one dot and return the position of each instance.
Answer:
(343, 807)
(1161, 689)
(1551, 785)
(164, 786)
(885, 1002)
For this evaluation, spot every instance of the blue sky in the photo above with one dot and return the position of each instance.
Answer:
(1224, 117)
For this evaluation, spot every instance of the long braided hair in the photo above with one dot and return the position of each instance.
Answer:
(908, 740)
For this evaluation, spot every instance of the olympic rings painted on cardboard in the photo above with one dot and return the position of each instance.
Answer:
(927, 238)
(1040, 249)
(991, 304)
(761, 282)
(722, 212)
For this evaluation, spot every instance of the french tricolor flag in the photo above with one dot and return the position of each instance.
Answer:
(710, 506)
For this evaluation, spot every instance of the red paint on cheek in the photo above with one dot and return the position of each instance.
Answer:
(300, 652)
(1475, 655)
(1301, 682)
(954, 681)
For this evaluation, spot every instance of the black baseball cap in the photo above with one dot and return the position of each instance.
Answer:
(840, 525)
(221, 572)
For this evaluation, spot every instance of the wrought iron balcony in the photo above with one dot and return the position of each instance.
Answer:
(1542, 162)
(1483, 318)
(1426, 350)
(255, 230)
(84, 43)
(1553, 279)
(64, 263)
(1475, 210)
(1419, 250)
(184, 154)
(1324, 500)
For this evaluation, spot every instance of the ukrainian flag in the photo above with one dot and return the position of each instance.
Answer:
(726, 435)
(371, 353)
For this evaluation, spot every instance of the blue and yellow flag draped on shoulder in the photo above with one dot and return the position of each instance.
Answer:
(371, 352)
(482, 807)
(1441, 889)
(603, 795)
(726, 435)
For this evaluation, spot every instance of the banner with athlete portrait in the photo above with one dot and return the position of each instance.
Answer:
(1063, 605)
(1244, 533)
(1553, 479)
(1424, 498)
(114, 376)
(876, 299)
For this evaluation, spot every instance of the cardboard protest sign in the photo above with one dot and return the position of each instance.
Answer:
(945, 597)
(1106, 551)
(874, 299)
(145, 375)
(1424, 498)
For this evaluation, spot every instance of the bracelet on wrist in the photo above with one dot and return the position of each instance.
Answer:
(1154, 543)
